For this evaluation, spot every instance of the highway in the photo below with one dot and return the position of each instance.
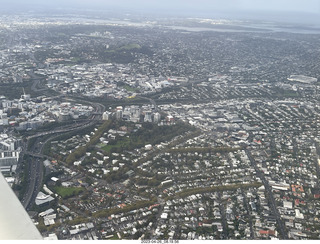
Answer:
(34, 183)
(96, 116)
(36, 167)
(35, 164)
(64, 129)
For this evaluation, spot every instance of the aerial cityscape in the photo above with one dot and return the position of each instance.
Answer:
(126, 127)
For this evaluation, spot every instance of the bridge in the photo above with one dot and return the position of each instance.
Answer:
(38, 155)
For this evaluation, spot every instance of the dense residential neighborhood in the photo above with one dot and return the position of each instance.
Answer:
(154, 130)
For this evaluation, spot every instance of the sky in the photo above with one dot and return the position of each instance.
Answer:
(244, 7)
(274, 5)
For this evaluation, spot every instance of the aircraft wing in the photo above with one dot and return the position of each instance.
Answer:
(15, 223)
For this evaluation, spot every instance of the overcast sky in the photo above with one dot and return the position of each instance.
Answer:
(174, 6)
(279, 5)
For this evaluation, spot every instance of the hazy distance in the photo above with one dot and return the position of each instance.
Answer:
(307, 11)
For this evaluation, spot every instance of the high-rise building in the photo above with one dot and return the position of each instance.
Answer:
(156, 117)
(106, 115)
(147, 116)
(9, 151)
(119, 114)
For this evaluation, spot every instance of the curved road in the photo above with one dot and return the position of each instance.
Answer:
(35, 173)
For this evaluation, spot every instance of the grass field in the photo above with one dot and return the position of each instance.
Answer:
(122, 143)
(66, 192)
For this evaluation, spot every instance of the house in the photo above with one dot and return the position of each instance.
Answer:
(267, 233)
(164, 216)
